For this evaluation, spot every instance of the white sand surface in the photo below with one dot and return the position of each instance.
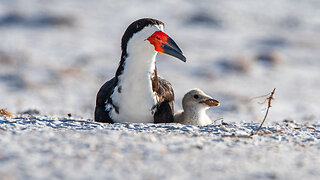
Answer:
(49, 147)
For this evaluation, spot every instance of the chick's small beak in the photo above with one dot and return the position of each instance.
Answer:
(164, 44)
(211, 102)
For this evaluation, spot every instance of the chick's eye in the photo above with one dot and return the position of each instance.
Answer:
(196, 96)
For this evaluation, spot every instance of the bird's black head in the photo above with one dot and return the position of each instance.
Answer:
(144, 35)
(137, 26)
(151, 30)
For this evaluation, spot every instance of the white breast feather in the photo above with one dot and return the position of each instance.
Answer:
(136, 99)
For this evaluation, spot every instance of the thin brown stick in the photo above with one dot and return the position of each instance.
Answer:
(219, 119)
(5, 113)
(270, 98)
(237, 136)
(259, 97)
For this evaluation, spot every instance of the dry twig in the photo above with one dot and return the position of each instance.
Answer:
(219, 119)
(5, 112)
(259, 97)
(237, 136)
(270, 98)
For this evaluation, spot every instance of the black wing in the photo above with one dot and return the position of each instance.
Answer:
(164, 110)
(100, 114)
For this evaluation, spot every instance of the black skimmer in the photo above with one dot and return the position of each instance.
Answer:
(137, 93)
(195, 103)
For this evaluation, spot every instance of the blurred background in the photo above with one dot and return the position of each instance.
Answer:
(55, 55)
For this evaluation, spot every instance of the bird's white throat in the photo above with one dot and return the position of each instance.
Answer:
(196, 116)
(135, 98)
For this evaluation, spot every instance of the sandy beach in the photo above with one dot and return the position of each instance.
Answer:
(48, 147)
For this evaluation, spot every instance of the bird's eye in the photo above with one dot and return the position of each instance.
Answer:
(158, 38)
(196, 96)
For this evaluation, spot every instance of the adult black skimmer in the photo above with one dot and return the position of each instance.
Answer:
(137, 93)
(195, 103)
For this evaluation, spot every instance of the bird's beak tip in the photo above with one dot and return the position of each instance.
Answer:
(184, 59)
(211, 102)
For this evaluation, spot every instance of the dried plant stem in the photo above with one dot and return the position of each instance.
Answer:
(259, 97)
(270, 98)
(5, 112)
